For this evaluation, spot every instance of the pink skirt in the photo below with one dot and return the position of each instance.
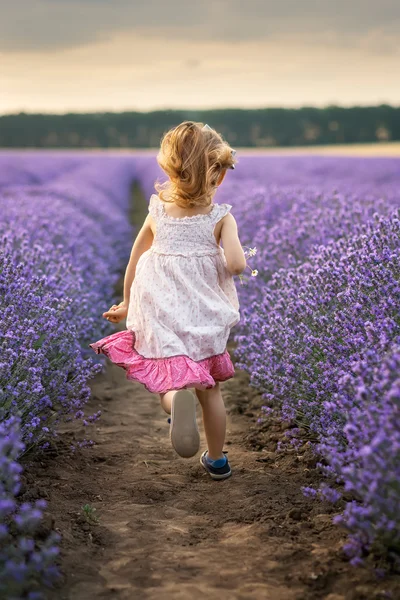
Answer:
(160, 375)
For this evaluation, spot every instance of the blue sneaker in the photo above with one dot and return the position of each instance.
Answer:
(183, 432)
(216, 472)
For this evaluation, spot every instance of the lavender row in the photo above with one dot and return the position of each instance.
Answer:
(320, 330)
(25, 565)
(319, 323)
(62, 247)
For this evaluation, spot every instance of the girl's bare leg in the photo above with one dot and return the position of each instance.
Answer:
(214, 420)
(166, 400)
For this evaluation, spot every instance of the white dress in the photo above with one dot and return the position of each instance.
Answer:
(183, 304)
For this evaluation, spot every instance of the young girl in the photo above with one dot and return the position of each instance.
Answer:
(180, 300)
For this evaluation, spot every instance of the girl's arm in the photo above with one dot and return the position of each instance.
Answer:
(143, 242)
(234, 254)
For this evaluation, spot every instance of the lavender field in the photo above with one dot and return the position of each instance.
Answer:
(319, 334)
(320, 328)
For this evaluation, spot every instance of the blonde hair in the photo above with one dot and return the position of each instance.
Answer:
(193, 158)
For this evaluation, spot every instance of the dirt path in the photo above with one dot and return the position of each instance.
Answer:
(170, 530)
(166, 530)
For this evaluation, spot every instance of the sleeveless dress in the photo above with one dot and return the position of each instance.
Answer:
(183, 304)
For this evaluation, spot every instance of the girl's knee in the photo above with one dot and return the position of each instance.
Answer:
(204, 395)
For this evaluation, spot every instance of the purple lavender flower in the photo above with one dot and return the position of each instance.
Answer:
(64, 236)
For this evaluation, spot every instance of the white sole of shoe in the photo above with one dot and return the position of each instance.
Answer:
(184, 433)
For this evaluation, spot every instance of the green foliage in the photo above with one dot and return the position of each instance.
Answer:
(90, 513)
(240, 127)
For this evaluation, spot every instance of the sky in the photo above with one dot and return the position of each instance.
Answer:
(60, 56)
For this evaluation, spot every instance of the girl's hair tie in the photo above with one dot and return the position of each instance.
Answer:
(233, 152)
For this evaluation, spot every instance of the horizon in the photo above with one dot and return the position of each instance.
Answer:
(197, 109)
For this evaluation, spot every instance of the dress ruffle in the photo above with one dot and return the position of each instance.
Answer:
(160, 375)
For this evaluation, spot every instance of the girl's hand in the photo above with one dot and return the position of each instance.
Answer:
(116, 313)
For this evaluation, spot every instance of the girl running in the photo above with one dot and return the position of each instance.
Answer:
(180, 300)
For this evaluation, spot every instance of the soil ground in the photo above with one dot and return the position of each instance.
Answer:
(166, 530)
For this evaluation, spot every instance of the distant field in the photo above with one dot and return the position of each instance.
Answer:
(384, 149)
(377, 149)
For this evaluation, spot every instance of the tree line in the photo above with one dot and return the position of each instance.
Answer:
(240, 127)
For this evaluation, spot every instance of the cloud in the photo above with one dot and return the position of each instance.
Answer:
(53, 25)
(128, 73)
(120, 54)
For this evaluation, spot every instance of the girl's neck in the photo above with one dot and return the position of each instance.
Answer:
(173, 210)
